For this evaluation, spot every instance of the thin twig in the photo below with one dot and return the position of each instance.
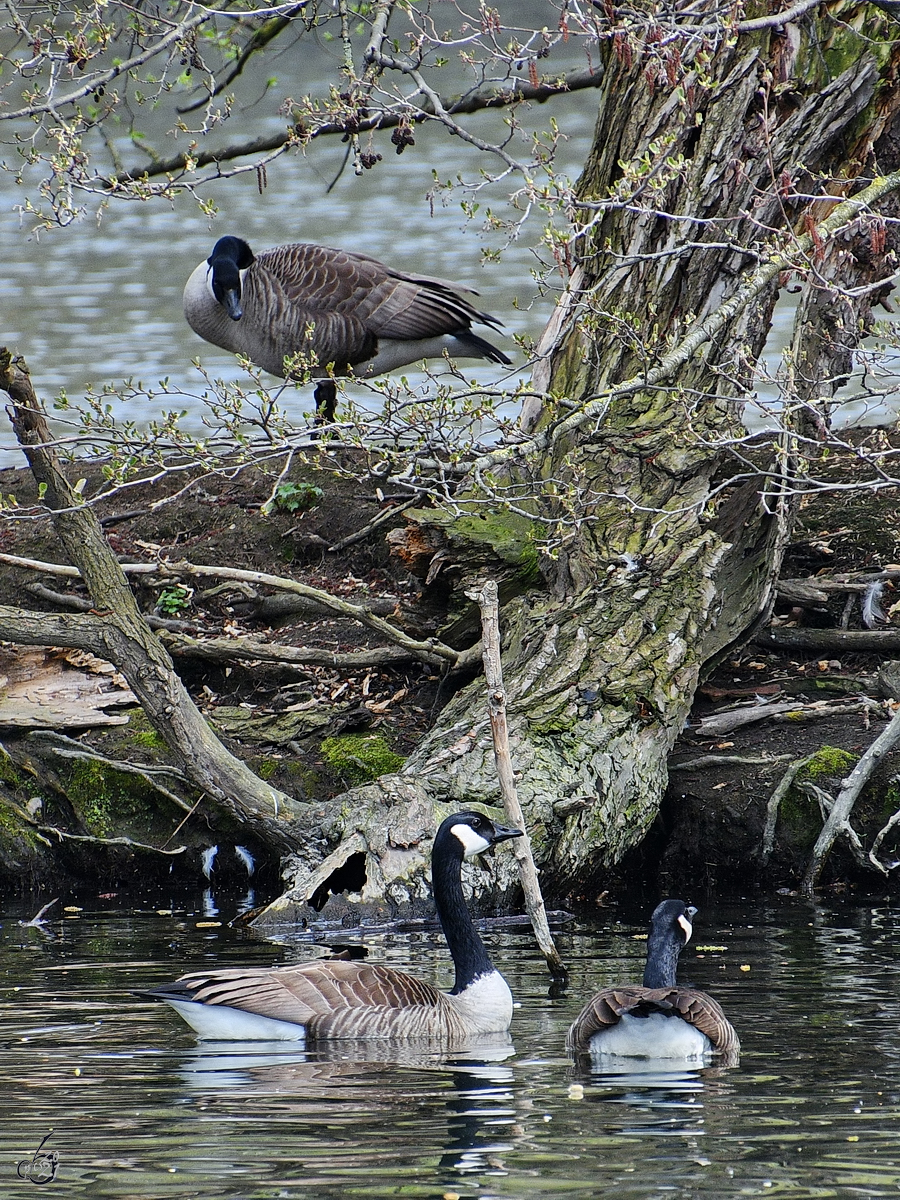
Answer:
(175, 832)
(79, 604)
(768, 837)
(377, 521)
(102, 841)
(717, 760)
(38, 918)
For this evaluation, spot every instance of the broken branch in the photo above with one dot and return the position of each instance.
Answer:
(839, 817)
(487, 598)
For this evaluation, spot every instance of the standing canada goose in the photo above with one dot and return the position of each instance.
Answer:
(658, 1019)
(344, 313)
(332, 998)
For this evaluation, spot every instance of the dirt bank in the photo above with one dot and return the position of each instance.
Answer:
(315, 729)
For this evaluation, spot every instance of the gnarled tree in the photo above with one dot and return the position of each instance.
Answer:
(729, 158)
(633, 522)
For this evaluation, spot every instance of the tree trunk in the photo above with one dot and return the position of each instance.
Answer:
(659, 545)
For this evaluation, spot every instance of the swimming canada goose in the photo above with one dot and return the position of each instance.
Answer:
(333, 998)
(658, 1019)
(344, 313)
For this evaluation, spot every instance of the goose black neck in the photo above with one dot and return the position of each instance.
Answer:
(470, 958)
(662, 959)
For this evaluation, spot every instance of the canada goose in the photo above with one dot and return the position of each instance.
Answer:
(658, 1019)
(344, 313)
(332, 998)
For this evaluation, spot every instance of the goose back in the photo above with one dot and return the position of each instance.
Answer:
(335, 999)
(348, 311)
(604, 1012)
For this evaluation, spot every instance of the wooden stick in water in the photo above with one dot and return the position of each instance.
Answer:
(534, 902)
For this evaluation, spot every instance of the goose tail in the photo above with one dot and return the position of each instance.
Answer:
(480, 348)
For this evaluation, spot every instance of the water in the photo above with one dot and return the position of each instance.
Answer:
(100, 301)
(138, 1109)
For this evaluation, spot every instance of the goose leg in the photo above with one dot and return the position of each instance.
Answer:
(326, 401)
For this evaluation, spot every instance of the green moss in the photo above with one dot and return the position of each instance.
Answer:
(150, 739)
(266, 768)
(9, 772)
(511, 536)
(828, 761)
(141, 732)
(360, 757)
(102, 796)
(306, 784)
(15, 832)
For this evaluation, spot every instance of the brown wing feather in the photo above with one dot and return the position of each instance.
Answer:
(352, 300)
(331, 998)
(605, 1009)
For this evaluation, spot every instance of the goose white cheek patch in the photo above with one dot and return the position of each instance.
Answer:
(687, 927)
(473, 843)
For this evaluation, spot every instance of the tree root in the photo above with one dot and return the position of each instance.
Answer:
(784, 786)
(838, 821)
(67, 748)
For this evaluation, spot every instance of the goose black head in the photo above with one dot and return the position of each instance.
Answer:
(670, 931)
(472, 832)
(230, 256)
(674, 919)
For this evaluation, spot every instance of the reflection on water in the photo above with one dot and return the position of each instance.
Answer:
(138, 1109)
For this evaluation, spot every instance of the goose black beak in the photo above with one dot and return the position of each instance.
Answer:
(231, 302)
(503, 833)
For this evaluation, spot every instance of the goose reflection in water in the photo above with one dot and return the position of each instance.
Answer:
(477, 1083)
(653, 1097)
(281, 1067)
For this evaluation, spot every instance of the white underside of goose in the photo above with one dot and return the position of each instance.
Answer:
(394, 354)
(219, 1023)
(653, 1036)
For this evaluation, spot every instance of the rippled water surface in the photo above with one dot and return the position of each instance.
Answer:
(138, 1108)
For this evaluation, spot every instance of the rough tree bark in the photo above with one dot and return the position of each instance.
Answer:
(663, 549)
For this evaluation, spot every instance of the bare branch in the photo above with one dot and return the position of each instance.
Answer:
(839, 817)
(494, 98)
(101, 78)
